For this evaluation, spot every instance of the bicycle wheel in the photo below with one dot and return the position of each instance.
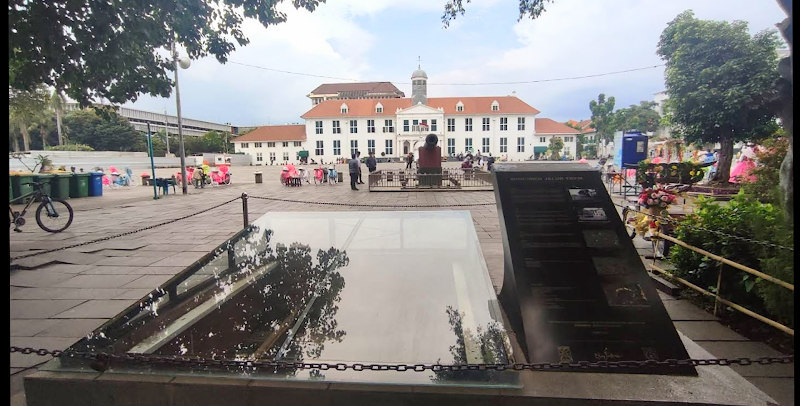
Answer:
(627, 216)
(54, 216)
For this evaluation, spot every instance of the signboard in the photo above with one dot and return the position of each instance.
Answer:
(574, 287)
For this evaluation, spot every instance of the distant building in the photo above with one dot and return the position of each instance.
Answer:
(162, 121)
(349, 91)
(273, 144)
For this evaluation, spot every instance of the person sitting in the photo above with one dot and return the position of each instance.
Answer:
(198, 178)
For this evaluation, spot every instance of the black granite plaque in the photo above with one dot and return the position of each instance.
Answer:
(574, 287)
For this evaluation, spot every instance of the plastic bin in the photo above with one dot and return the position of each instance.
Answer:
(60, 185)
(79, 185)
(17, 185)
(95, 183)
(259, 178)
(10, 190)
(47, 183)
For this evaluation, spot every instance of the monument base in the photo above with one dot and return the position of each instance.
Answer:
(429, 177)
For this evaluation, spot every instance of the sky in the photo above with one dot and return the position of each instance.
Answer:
(381, 40)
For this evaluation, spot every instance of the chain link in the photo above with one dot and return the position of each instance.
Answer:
(672, 221)
(103, 359)
(371, 205)
(163, 223)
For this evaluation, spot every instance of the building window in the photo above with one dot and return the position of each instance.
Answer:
(320, 150)
(433, 125)
(451, 146)
(389, 147)
(245, 145)
(285, 157)
(259, 157)
(566, 151)
(272, 157)
(319, 127)
(270, 145)
(353, 126)
(336, 128)
(337, 147)
(353, 147)
(503, 144)
(344, 109)
(567, 139)
(468, 144)
(370, 126)
(520, 144)
(286, 144)
(370, 146)
(467, 124)
(298, 144)
(543, 139)
(379, 110)
(388, 126)
(495, 107)
(257, 145)
(460, 107)
(405, 125)
(485, 124)
(520, 123)
(503, 123)
(451, 124)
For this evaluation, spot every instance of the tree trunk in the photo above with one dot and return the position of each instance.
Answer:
(58, 126)
(15, 138)
(785, 112)
(724, 160)
(44, 139)
(26, 139)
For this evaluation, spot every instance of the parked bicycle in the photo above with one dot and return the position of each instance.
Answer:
(53, 215)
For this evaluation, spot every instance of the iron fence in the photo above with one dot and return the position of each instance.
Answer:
(448, 179)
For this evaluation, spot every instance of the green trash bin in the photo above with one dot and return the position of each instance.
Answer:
(18, 185)
(79, 185)
(10, 190)
(60, 185)
(46, 180)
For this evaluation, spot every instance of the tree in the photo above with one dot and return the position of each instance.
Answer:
(57, 105)
(720, 81)
(101, 49)
(555, 147)
(107, 132)
(531, 8)
(640, 117)
(603, 119)
(26, 108)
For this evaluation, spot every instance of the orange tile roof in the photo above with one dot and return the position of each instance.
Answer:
(548, 126)
(293, 132)
(472, 105)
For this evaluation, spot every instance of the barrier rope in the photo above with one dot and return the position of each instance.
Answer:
(371, 205)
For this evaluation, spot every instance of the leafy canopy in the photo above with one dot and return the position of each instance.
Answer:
(640, 117)
(603, 119)
(91, 49)
(530, 8)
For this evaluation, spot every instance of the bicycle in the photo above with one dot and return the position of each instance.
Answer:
(53, 215)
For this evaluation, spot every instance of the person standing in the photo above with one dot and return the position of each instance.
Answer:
(354, 167)
(358, 157)
(409, 160)
(372, 163)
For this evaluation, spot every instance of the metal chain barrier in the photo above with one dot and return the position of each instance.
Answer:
(105, 359)
(372, 205)
(672, 221)
(163, 223)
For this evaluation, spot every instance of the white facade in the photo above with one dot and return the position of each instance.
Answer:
(261, 152)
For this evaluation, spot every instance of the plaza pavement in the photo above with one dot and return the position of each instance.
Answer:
(57, 298)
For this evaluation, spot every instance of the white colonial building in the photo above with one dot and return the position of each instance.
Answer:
(393, 127)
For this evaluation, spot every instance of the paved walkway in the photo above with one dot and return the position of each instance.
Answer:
(57, 298)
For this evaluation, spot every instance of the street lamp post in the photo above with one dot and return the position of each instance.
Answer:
(182, 63)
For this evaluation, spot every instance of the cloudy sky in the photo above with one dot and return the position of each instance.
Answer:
(380, 40)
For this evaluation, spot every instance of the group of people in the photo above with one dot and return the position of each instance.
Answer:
(482, 160)
(354, 166)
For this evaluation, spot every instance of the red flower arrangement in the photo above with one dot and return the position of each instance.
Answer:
(656, 197)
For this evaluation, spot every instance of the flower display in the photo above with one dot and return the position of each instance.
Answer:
(657, 198)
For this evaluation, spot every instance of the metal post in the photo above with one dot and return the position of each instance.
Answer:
(719, 285)
(166, 131)
(184, 186)
(152, 163)
(244, 210)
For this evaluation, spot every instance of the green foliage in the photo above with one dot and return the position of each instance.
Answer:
(590, 151)
(70, 147)
(93, 49)
(603, 118)
(770, 156)
(555, 147)
(745, 217)
(640, 117)
(110, 132)
(530, 8)
(721, 82)
(26, 109)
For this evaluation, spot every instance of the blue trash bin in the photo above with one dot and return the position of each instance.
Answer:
(95, 183)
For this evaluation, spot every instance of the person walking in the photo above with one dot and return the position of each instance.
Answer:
(354, 167)
(409, 160)
(358, 157)
(372, 163)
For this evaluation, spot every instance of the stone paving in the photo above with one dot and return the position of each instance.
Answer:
(57, 298)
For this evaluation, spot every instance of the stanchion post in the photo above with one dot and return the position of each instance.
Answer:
(244, 210)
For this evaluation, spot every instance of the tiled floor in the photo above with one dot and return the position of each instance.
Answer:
(71, 292)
